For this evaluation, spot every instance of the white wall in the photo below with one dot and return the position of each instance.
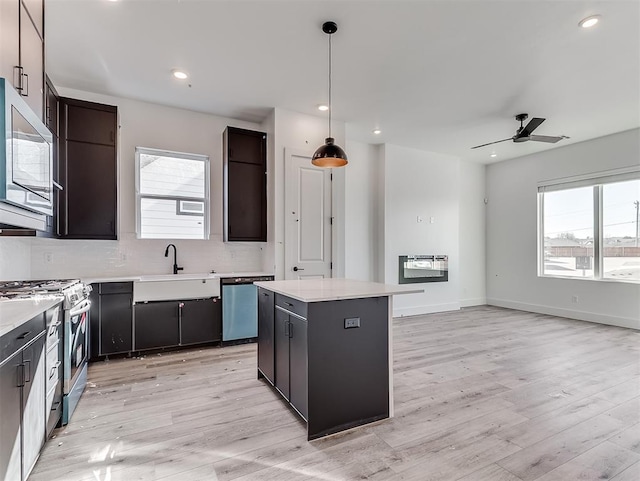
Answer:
(512, 279)
(304, 133)
(472, 239)
(361, 211)
(149, 125)
(421, 184)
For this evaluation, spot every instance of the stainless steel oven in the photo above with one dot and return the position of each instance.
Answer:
(423, 268)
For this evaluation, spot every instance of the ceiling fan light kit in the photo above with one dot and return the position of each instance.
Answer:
(524, 133)
(329, 154)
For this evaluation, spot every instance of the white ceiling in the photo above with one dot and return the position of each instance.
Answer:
(440, 76)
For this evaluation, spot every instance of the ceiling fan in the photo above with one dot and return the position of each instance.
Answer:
(523, 134)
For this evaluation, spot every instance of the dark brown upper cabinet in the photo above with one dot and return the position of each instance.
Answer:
(245, 185)
(88, 170)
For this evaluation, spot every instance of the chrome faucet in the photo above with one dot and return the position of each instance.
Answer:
(175, 258)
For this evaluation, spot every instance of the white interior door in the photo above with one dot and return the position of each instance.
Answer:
(307, 218)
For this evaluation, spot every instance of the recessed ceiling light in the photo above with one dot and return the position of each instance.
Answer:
(323, 107)
(179, 74)
(493, 155)
(377, 131)
(589, 21)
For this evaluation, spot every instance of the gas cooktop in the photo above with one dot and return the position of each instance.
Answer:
(13, 289)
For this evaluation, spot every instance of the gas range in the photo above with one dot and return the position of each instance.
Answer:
(71, 289)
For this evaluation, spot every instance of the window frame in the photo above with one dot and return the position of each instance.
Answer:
(206, 200)
(597, 181)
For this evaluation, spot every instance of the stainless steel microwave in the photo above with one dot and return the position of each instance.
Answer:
(26, 156)
(425, 268)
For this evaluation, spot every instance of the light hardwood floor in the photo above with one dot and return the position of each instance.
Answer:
(480, 394)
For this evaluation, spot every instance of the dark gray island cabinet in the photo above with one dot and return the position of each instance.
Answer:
(325, 345)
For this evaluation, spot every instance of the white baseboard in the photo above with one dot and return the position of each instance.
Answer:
(570, 313)
(428, 309)
(480, 301)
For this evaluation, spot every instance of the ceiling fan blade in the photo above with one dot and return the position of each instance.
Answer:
(496, 142)
(546, 138)
(533, 124)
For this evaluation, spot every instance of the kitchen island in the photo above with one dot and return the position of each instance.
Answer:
(325, 345)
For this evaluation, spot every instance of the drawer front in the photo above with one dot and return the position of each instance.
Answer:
(53, 367)
(116, 287)
(292, 305)
(20, 336)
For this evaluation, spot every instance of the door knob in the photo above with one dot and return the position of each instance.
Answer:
(296, 269)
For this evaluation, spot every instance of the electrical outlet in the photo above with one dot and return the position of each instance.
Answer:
(48, 257)
(351, 322)
(575, 299)
(419, 219)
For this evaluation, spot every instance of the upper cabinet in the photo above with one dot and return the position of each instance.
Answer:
(245, 185)
(88, 169)
(22, 49)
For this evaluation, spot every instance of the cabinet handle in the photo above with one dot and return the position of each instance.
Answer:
(112, 137)
(17, 77)
(25, 91)
(20, 375)
(290, 329)
(24, 335)
(286, 328)
(265, 294)
(289, 304)
(27, 369)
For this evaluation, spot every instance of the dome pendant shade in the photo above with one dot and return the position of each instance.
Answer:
(329, 155)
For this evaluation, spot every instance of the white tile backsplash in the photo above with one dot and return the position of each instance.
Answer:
(53, 258)
(15, 258)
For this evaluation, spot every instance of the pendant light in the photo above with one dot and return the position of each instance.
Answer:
(329, 154)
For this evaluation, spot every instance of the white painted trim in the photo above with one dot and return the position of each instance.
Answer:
(569, 313)
(479, 301)
(425, 309)
(390, 324)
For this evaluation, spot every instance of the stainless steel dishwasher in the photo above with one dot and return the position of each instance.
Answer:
(240, 307)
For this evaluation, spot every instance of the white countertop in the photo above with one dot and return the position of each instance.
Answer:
(172, 277)
(317, 290)
(14, 312)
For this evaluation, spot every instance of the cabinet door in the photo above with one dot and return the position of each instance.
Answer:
(90, 191)
(33, 403)
(10, 379)
(9, 39)
(246, 202)
(51, 107)
(281, 338)
(32, 62)
(298, 364)
(200, 321)
(265, 333)
(156, 325)
(93, 123)
(246, 146)
(116, 328)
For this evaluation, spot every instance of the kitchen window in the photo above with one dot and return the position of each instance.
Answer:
(172, 195)
(589, 227)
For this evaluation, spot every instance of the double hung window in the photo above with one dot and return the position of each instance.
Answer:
(172, 194)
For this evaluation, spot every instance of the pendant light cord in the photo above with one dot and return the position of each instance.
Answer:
(329, 85)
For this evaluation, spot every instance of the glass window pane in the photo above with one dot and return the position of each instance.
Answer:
(161, 219)
(568, 232)
(171, 176)
(620, 243)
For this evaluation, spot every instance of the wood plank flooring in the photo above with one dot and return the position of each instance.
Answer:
(480, 394)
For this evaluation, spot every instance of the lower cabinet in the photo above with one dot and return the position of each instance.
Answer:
(161, 324)
(111, 318)
(156, 325)
(291, 358)
(266, 360)
(22, 413)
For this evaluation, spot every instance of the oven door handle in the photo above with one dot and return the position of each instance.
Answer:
(84, 306)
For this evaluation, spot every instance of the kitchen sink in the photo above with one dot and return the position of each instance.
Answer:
(176, 287)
